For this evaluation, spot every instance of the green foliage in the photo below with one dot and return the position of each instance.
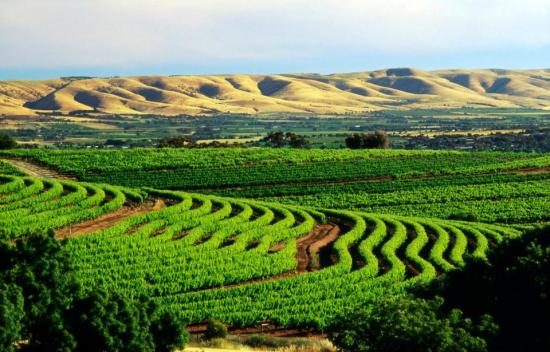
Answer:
(42, 304)
(176, 142)
(11, 316)
(515, 283)
(31, 208)
(405, 324)
(183, 253)
(260, 166)
(215, 329)
(169, 332)
(110, 321)
(504, 200)
(38, 265)
(8, 169)
(280, 139)
(427, 183)
(376, 140)
(463, 216)
(104, 321)
(7, 142)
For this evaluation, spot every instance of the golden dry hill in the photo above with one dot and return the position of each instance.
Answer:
(396, 88)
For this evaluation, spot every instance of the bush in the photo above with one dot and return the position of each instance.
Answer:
(169, 332)
(402, 323)
(513, 286)
(7, 142)
(11, 313)
(104, 321)
(215, 329)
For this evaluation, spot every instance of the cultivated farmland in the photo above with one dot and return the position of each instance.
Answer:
(241, 260)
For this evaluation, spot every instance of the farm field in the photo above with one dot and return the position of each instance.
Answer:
(323, 131)
(277, 176)
(494, 187)
(272, 241)
(241, 260)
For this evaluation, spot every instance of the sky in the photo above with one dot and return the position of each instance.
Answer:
(51, 38)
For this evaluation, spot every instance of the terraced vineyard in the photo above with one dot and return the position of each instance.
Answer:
(492, 187)
(243, 261)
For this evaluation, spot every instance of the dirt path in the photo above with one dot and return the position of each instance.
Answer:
(35, 170)
(109, 219)
(308, 247)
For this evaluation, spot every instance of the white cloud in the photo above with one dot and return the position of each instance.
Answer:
(80, 33)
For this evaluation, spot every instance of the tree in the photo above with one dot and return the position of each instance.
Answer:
(275, 138)
(7, 142)
(513, 286)
(296, 141)
(403, 323)
(280, 139)
(40, 267)
(376, 140)
(42, 304)
(176, 142)
(108, 321)
(354, 142)
(168, 331)
(11, 314)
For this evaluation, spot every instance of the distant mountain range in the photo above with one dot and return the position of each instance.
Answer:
(396, 88)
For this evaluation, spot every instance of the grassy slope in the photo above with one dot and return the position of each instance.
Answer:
(310, 93)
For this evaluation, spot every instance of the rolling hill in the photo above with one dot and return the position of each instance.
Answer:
(395, 88)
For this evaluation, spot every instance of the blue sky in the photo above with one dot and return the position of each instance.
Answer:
(51, 38)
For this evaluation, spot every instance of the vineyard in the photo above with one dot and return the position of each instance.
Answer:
(491, 187)
(243, 261)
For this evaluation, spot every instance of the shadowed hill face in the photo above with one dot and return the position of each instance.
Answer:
(305, 93)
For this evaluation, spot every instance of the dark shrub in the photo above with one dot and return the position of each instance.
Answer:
(403, 323)
(215, 329)
(7, 142)
(513, 286)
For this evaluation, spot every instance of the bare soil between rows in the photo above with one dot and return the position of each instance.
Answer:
(109, 219)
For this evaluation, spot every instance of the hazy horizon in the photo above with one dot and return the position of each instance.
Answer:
(50, 39)
(46, 76)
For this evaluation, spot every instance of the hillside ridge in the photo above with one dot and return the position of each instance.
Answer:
(339, 93)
